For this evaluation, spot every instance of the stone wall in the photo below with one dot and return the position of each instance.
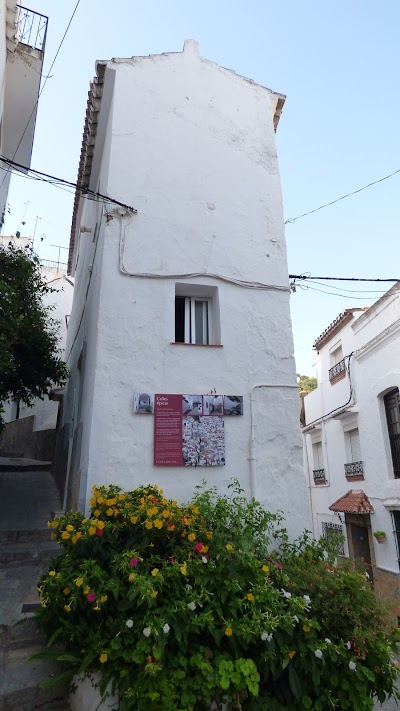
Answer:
(19, 440)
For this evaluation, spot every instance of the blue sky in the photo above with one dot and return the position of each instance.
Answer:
(337, 62)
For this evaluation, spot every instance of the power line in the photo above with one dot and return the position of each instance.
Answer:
(58, 182)
(350, 291)
(42, 89)
(291, 220)
(303, 277)
(331, 293)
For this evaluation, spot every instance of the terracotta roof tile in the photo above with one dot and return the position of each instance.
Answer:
(355, 502)
(336, 326)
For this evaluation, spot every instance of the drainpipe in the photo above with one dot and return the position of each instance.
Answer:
(252, 457)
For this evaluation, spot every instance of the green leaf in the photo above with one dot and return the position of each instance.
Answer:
(68, 658)
(57, 680)
(295, 683)
(306, 702)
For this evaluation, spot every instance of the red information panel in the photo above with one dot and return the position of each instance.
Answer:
(168, 430)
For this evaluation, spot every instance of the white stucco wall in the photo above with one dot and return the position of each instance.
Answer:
(192, 148)
(375, 339)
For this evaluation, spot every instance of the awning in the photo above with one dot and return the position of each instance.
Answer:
(355, 502)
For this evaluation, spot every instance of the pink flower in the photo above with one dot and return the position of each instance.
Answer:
(153, 501)
(199, 547)
(99, 532)
(91, 597)
(133, 562)
(279, 566)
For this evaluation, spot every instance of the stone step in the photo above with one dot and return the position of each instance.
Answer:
(26, 535)
(24, 553)
(22, 635)
(19, 683)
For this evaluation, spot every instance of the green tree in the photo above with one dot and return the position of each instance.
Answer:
(30, 360)
(306, 383)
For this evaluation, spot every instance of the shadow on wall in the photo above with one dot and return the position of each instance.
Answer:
(19, 440)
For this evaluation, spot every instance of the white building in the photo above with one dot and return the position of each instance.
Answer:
(352, 436)
(30, 431)
(189, 292)
(22, 44)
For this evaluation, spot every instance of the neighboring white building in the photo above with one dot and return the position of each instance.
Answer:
(20, 439)
(22, 44)
(189, 293)
(352, 436)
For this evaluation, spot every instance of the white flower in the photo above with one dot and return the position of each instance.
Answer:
(191, 605)
(295, 619)
(352, 666)
(318, 653)
(129, 623)
(366, 575)
(327, 640)
(348, 645)
(204, 559)
(286, 594)
(147, 631)
(166, 628)
(307, 599)
(189, 587)
(266, 637)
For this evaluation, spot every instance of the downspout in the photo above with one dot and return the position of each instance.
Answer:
(252, 455)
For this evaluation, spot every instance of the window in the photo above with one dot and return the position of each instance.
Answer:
(396, 526)
(353, 467)
(392, 403)
(337, 371)
(354, 449)
(196, 314)
(336, 355)
(317, 455)
(192, 319)
(329, 529)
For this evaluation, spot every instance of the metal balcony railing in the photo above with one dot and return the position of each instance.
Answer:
(319, 476)
(31, 28)
(353, 468)
(54, 265)
(337, 369)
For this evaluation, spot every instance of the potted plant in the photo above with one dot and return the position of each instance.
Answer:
(380, 536)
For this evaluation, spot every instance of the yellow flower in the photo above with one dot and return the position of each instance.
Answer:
(86, 590)
(155, 572)
(69, 527)
(67, 608)
(306, 628)
(65, 535)
(195, 509)
(74, 538)
(229, 631)
(92, 530)
(52, 573)
(132, 577)
(104, 598)
(166, 513)
(53, 536)
(97, 512)
(121, 497)
(67, 591)
(265, 568)
(229, 547)
(97, 608)
(110, 512)
(100, 525)
(103, 657)
(171, 526)
(183, 568)
(158, 523)
(92, 501)
(183, 534)
(149, 524)
(85, 520)
(152, 511)
(79, 582)
(250, 596)
(209, 535)
(134, 519)
(53, 524)
(291, 654)
(191, 537)
(100, 500)
(154, 593)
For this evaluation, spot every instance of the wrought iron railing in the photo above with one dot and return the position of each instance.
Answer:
(31, 28)
(319, 476)
(395, 449)
(353, 468)
(338, 368)
(54, 265)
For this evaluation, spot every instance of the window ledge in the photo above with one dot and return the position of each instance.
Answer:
(197, 345)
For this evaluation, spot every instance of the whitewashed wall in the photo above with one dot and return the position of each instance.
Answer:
(192, 148)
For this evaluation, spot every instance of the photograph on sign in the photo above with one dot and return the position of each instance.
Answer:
(203, 441)
(233, 405)
(213, 405)
(143, 403)
(192, 405)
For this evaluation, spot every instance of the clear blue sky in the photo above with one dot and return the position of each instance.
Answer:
(338, 64)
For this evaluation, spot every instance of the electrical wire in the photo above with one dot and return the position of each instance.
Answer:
(350, 291)
(341, 407)
(330, 293)
(304, 277)
(291, 220)
(42, 89)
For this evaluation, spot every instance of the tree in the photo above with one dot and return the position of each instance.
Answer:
(30, 360)
(306, 383)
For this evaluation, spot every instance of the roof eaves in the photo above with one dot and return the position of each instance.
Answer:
(336, 326)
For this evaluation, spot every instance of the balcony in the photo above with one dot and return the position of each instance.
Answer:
(319, 476)
(31, 28)
(354, 471)
(337, 372)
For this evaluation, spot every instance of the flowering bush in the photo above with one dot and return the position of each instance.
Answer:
(180, 606)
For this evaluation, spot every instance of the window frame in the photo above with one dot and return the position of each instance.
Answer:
(394, 445)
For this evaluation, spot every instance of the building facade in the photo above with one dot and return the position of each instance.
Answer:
(352, 438)
(181, 289)
(22, 46)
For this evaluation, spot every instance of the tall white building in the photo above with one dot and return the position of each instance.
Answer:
(186, 294)
(22, 44)
(352, 437)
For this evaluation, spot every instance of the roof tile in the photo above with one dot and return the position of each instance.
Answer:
(355, 502)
